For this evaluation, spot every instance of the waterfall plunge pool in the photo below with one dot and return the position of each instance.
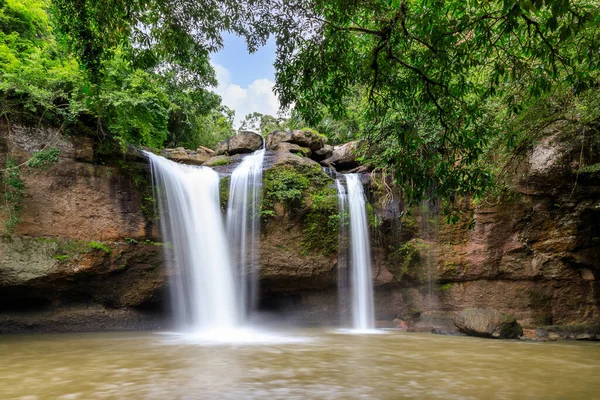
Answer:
(295, 364)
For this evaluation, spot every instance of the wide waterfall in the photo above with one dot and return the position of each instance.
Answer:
(361, 284)
(243, 219)
(203, 285)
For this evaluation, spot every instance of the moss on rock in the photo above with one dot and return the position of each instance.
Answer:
(307, 193)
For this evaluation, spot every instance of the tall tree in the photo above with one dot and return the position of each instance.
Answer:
(429, 72)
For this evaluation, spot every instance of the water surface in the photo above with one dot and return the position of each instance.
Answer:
(301, 364)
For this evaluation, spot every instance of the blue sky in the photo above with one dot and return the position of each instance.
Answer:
(246, 80)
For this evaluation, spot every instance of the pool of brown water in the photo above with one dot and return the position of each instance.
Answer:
(295, 364)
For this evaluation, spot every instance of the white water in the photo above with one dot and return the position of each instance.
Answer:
(203, 288)
(342, 261)
(243, 224)
(361, 287)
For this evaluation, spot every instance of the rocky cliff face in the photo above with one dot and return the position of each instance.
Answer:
(88, 254)
(85, 257)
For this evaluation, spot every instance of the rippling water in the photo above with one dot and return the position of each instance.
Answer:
(301, 364)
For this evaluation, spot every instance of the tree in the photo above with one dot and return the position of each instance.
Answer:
(263, 123)
(42, 82)
(431, 74)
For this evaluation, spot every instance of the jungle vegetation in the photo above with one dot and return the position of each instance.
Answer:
(437, 87)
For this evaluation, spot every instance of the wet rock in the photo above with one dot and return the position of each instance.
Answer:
(488, 323)
(323, 153)
(569, 332)
(217, 161)
(303, 138)
(243, 142)
(293, 148)
(344, 157)
(184, 156)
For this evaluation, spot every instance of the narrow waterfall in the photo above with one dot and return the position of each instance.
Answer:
(203, 288)
(243, 224)
(361, 284)
(342, 261)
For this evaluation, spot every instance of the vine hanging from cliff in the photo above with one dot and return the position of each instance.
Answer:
(14, 187)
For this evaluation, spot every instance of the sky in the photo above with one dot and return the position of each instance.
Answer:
(246, 80)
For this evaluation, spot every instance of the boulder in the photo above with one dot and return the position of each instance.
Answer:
(488, 323)
(286, 158)
(293, 148)
(193, 157)
(217, 161)
(344, 156)
(243, 142)
(303, 138)
(323, 153)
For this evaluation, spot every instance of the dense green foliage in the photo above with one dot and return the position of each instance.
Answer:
(307, 193)
(264, 123)
(321, 223)
(41, 80)
(437, 87)
(432, 83)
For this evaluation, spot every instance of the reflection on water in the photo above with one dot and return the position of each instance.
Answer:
(309, 364)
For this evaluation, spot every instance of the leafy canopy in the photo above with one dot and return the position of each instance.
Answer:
(429, 74)
(42, 81)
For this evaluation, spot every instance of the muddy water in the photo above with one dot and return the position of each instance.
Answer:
(304, 364)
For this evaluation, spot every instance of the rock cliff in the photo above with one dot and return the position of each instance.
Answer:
(88, 254)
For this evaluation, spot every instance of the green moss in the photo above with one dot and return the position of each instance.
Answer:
(284, 185)
(220, 162)
(98, 246)
(307, 192)
(409, 224)
(138, 175)
(311, 132)
(593, 169)
(372, 217)
(445, 287)
(61, 257)
(224, 192)
(321, 223)
(407, 261)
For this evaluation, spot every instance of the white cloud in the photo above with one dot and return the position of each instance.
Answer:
(257, 97)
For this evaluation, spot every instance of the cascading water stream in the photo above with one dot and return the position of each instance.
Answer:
(361, 284)
(243, 224)
(203, 288)
(342, 262)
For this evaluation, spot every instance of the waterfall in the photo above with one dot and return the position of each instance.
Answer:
(361, 285)
(342, 262)
(243, 223)
(203, 289)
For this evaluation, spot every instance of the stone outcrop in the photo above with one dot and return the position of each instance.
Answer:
(488, 323)
(87, 254)
(569, 332)
(303, 138)
(243, 142)
(89, 244)
(193, 157)
(344, 157)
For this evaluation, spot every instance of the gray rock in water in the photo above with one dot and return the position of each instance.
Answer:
(488, 323)
(243, 142)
